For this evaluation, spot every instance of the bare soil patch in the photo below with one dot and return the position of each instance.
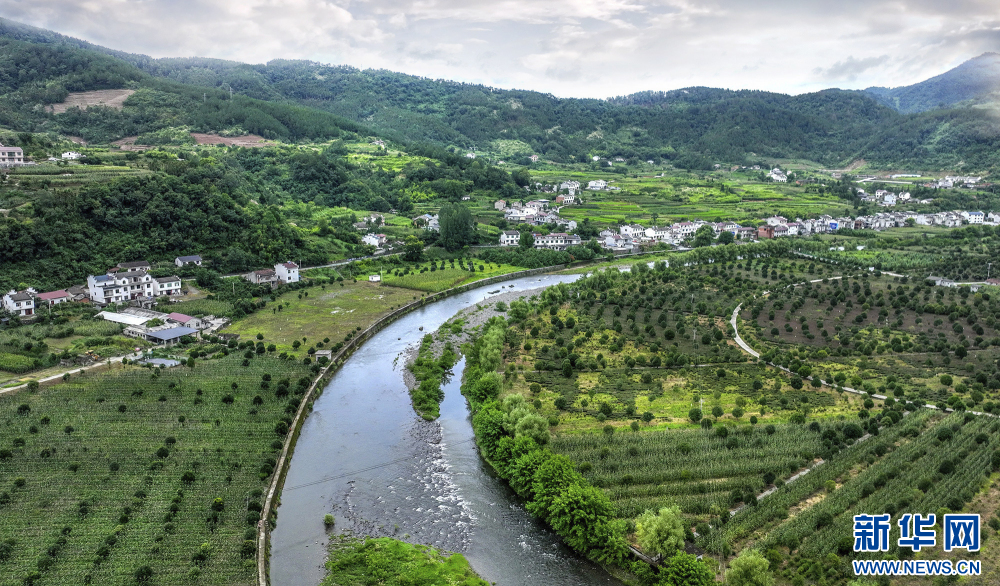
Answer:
(83, 100)
(250, 140)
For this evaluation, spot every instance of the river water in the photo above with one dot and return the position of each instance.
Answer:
(366, 458)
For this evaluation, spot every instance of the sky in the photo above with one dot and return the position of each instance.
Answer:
(570, 48)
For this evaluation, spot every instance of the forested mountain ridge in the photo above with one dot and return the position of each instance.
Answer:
(973, 82)
(693, 127)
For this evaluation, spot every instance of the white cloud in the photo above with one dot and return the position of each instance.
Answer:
(586, 48)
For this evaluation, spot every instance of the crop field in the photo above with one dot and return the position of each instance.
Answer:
(886, 334)
(37, 349)
(675, 195)
(180, 497)
(655, 344)
(71, 176)
(656, 422)
(942, 468)
(702, 471)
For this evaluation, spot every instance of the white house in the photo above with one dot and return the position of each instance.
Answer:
(632, 230)
(499, 204)
(287, 272)
(11, 156)
(71, 155)
(19, 302)
(556, 240)
(376, 240)
(597, 185)
(974, 217)
(510, 238)
(130, 281)
(188, 260)
(777, 176)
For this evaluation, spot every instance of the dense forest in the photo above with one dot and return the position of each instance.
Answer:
(693, 127)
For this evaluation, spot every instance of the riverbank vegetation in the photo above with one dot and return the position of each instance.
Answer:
(388, 562)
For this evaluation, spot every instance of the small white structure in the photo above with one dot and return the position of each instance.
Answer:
(597, 185)
(188, 260)
(20, 302)
(499, 204)
(71, 155)
(287, 272)
(510, 238)
(374, 278)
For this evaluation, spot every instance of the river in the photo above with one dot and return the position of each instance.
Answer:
(366, 458)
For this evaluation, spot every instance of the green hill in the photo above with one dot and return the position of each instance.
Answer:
(692, 127)
(975, 81)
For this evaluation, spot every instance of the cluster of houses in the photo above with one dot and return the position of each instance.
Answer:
(630, 236)
(950, 181)
(123, 283)
(537, 212)
(884, 198)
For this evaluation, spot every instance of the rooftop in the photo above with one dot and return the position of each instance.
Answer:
(172, 333)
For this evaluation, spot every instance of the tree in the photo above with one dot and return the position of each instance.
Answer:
(749, 569)
(458, 229)
(413, 248)
(662, 532)
(726, 237)
(527, 240)
(703, 236)
(694, 415)
(685, 570)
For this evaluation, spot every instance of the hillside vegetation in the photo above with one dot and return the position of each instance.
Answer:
(693, 127)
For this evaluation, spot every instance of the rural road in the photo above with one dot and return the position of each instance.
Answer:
(109, 361)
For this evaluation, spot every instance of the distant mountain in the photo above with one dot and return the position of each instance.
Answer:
(975, 81)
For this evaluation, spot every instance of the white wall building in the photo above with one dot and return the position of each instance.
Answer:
(510, 238)
(19, 302)
(287, 272)
(11, 156)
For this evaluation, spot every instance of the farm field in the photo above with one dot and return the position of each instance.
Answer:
(79, 505)
(887, 335)
(656, 420)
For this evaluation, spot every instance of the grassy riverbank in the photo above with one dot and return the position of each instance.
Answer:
(388, 562)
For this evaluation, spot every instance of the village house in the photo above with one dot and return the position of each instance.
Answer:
(20, 303)
(11, 156)
(973, 217)
(618, 243)
(597, 185)
(262, 277)
(288, 272)
(499, 204)
(187, 260)
(130, 281)
(376, 240)
(54, 297)
(510, 238)
(632, 230)
(429, 221)
(534, 158)
(556, 240)
(765, 232)
(71, 155)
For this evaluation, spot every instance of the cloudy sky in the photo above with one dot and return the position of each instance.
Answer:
(579, 48)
